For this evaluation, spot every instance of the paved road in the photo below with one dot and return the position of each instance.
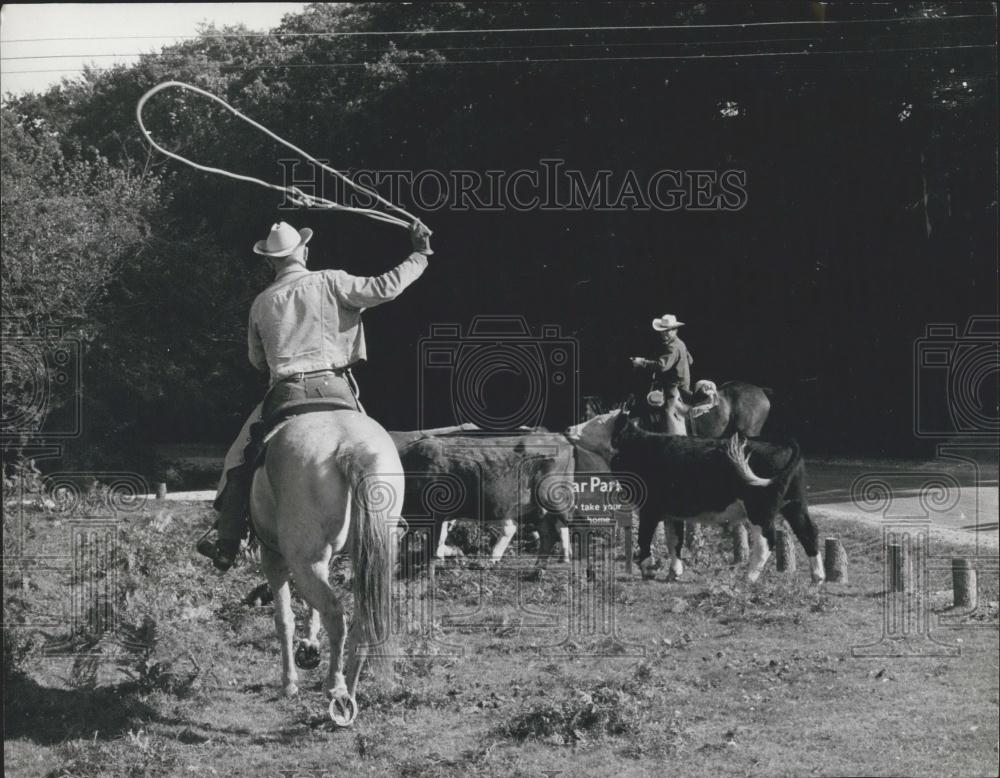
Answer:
(960, 499)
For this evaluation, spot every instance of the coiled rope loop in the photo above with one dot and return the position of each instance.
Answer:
(294, 194)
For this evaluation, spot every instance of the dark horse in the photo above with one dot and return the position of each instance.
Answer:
(742, 408)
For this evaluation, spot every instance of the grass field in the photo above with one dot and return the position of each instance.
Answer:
(705, 677)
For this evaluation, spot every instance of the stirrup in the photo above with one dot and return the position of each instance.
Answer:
(206, 547)
(224, 559)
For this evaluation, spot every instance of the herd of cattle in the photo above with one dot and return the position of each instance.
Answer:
(507, 479)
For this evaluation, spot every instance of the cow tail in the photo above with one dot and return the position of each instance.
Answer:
(373, 553)
(784, 478)
(736, 451)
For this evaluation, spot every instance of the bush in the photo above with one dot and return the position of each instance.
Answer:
(604, 710)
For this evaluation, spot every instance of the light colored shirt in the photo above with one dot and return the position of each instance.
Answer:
(311, 320)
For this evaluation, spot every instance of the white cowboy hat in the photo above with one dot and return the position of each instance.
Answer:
(667, 322)
(282, 241)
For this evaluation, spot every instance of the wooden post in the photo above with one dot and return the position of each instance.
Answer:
(835, 561)
(784, 551)
(897, 568)
(161, 491)
(624, 520)
(741, 542)
(963, 580)
(694, 540)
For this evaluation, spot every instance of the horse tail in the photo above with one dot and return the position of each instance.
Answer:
(373, 554)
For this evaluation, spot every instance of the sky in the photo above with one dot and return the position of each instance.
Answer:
(99, 27)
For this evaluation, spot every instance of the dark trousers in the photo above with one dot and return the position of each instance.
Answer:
(302, 392)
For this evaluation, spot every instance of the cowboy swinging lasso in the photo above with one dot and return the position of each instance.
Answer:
(331, 481)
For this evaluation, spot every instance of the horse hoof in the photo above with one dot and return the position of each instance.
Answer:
(290, 689)
(343, 709)
(753, 576)
(306, 656)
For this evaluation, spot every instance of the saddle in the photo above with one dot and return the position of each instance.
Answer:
(262, 432)
(706, 397)
(663, 402)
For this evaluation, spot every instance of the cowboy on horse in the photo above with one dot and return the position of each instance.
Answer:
(669, 380)
(673, 367)
(305, 330)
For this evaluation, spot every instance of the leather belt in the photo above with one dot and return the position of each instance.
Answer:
(296, 377)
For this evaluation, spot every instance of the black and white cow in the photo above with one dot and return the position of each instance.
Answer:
(710, 480)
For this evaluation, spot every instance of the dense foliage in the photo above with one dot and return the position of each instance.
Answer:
(870, 205)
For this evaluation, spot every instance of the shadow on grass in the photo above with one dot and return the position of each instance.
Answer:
(49, 716)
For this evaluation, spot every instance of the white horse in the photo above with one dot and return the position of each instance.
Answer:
(331, 483)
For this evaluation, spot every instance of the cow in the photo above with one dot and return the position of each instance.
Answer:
(457, 473)
(708, 480)
(714, 412)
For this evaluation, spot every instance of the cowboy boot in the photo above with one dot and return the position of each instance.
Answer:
(233, 506)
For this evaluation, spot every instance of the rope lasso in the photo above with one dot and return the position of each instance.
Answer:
(294, 194)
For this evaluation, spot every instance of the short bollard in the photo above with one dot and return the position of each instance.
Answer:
(963, 580)
(741, 543)
(835, 561)
(897, 568)
(624, 520)
(784, 552)
(161, 491)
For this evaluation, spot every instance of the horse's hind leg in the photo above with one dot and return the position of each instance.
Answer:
(276, 570)
(311, 581)
(307, 649)
(314, 623)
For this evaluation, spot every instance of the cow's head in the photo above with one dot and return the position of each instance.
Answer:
(595, 434)
(623, 427)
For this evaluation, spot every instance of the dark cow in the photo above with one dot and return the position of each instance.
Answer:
(739, 407)
(497, 478)
(708, 479)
